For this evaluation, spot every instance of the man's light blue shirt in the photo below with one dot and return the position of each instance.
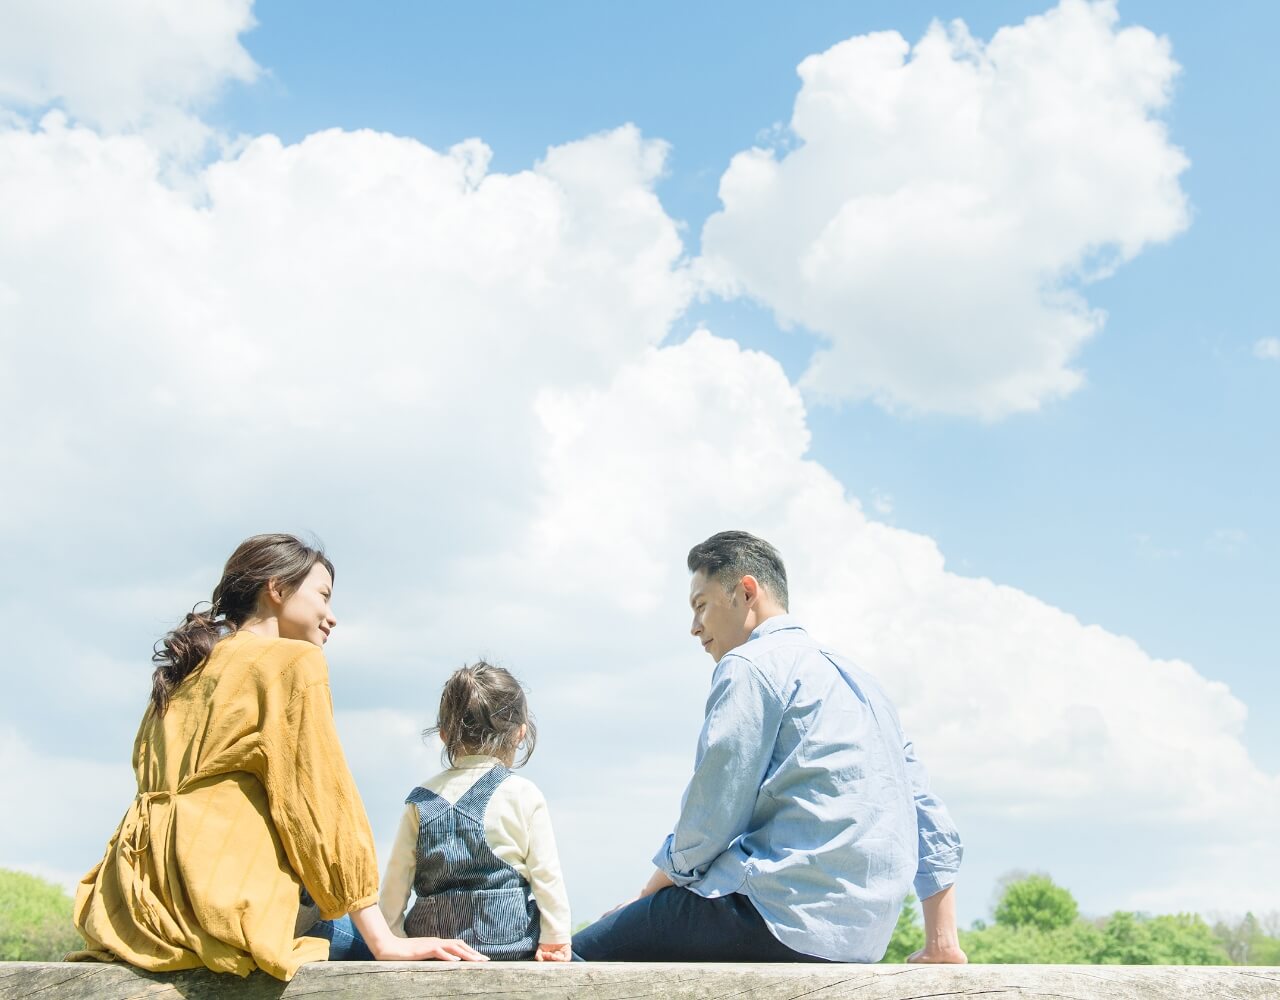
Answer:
(807, 798)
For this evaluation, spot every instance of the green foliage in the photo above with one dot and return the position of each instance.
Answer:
(1038, 922)
(35, 919)
(1182, 939)
(1250, 941)
(1079, 943)
(908, 935)
(1035, 901)
(1185, 939)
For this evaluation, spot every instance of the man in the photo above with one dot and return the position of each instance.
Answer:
(807, 818)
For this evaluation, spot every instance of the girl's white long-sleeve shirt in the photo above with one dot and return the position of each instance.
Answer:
(517, 828)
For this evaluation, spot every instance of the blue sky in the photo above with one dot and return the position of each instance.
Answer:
(476, 371)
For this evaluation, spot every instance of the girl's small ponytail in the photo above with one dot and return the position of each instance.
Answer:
(482, 710)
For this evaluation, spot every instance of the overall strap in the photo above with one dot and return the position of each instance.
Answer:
(430, 805)
(476, 798)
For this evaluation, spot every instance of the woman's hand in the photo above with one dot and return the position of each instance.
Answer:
(389, 947)
(399, 949)
(554, 953)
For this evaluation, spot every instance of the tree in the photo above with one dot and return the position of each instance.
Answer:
(35, 919)
(1079, 943)
(1250, 941)
(908, 935)
(1035, 901)
(1184, 939)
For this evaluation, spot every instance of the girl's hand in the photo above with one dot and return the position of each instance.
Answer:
(554, 953)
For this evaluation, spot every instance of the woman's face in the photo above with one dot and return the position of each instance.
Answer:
(305, 614)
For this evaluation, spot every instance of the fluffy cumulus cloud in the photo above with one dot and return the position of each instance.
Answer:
(1267, 349)
(461, 378)
(945, 203)
(129, 64)
(1027, 715)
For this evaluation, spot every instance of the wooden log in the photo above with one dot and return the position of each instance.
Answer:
(626, 981)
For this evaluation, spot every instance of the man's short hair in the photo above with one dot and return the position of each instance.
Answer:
(728, 556)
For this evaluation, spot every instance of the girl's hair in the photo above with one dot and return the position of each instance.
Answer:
(256, 561)
(482, 708)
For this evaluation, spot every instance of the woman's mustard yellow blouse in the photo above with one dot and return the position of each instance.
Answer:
(243, 796)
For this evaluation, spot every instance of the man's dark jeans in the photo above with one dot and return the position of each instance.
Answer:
(676, 925)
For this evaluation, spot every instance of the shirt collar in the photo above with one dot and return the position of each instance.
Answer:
(775, 624)
(475, 760)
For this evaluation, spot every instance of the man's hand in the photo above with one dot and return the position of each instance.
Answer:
(658, 880)
(554, 953)
(939, 955)
(621, 906)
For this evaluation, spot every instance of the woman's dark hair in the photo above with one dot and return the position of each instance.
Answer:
(482, 708)
(256, 561)
(730, 555)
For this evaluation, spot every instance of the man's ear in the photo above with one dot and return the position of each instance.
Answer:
(750, 589)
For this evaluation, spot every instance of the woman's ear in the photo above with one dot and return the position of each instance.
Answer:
(273, 593)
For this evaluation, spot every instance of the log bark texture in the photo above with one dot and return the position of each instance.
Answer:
(618, 981)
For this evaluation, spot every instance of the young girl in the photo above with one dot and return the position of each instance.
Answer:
(475, 843)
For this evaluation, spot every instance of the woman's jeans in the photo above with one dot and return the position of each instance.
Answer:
(345, 942)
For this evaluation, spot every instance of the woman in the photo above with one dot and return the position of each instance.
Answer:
(247, 845)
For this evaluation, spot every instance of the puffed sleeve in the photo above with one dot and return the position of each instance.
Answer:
(313, 799)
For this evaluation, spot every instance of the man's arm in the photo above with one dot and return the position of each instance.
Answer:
(941, 940)
(940, 854)
(734, 750)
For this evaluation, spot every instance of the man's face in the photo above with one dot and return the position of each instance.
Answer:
(719, 615)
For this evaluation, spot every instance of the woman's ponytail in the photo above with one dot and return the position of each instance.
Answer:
(182, 650)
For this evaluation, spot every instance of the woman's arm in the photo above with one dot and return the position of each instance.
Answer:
(387, 947)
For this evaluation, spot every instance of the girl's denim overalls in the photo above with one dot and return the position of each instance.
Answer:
(463, 889)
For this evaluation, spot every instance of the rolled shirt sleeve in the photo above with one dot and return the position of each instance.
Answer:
(940, 848)
(735, 748)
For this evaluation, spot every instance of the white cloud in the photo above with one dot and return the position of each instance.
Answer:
(129, 64)
(1069, 714)
(363, 301)
(945, 202)
(1267, 349)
